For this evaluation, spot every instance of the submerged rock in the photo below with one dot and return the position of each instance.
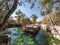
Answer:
(32, 29)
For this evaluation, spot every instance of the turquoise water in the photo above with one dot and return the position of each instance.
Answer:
(18, 37)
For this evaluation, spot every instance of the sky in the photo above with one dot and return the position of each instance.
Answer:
(26, 10)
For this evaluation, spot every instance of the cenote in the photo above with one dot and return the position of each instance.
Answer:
(18, 37)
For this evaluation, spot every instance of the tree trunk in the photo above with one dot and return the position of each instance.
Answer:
(8, 15)
(50, 18)
(52, 23)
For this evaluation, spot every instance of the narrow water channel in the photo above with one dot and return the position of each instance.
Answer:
(18, 37)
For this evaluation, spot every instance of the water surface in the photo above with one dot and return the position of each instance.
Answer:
(18, 37)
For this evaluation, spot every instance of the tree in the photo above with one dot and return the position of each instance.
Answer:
(27, 20)
(56, 20)
(47, 9)
(48, 6)
(34, 17)
(7, 14)
(11, 20)
(20, 16)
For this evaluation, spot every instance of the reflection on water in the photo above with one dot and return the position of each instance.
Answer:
(18, 37)
(13, 37)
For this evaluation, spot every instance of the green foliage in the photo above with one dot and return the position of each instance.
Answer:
(46, 7)
(18, 12)
(27, 21)
(20, 16)
(45, 2)
(49, 5)
(24, 39)
(11, 20)
(56, 20)
(51, 39)
(27, 39)
(34, 17)
(32, 6)
(27, 1)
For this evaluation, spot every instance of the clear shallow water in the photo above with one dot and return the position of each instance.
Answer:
(13, 36)
(18, 37)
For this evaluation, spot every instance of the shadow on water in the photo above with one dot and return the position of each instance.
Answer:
(18, 37)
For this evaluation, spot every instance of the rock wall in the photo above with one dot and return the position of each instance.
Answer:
(51, 29)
